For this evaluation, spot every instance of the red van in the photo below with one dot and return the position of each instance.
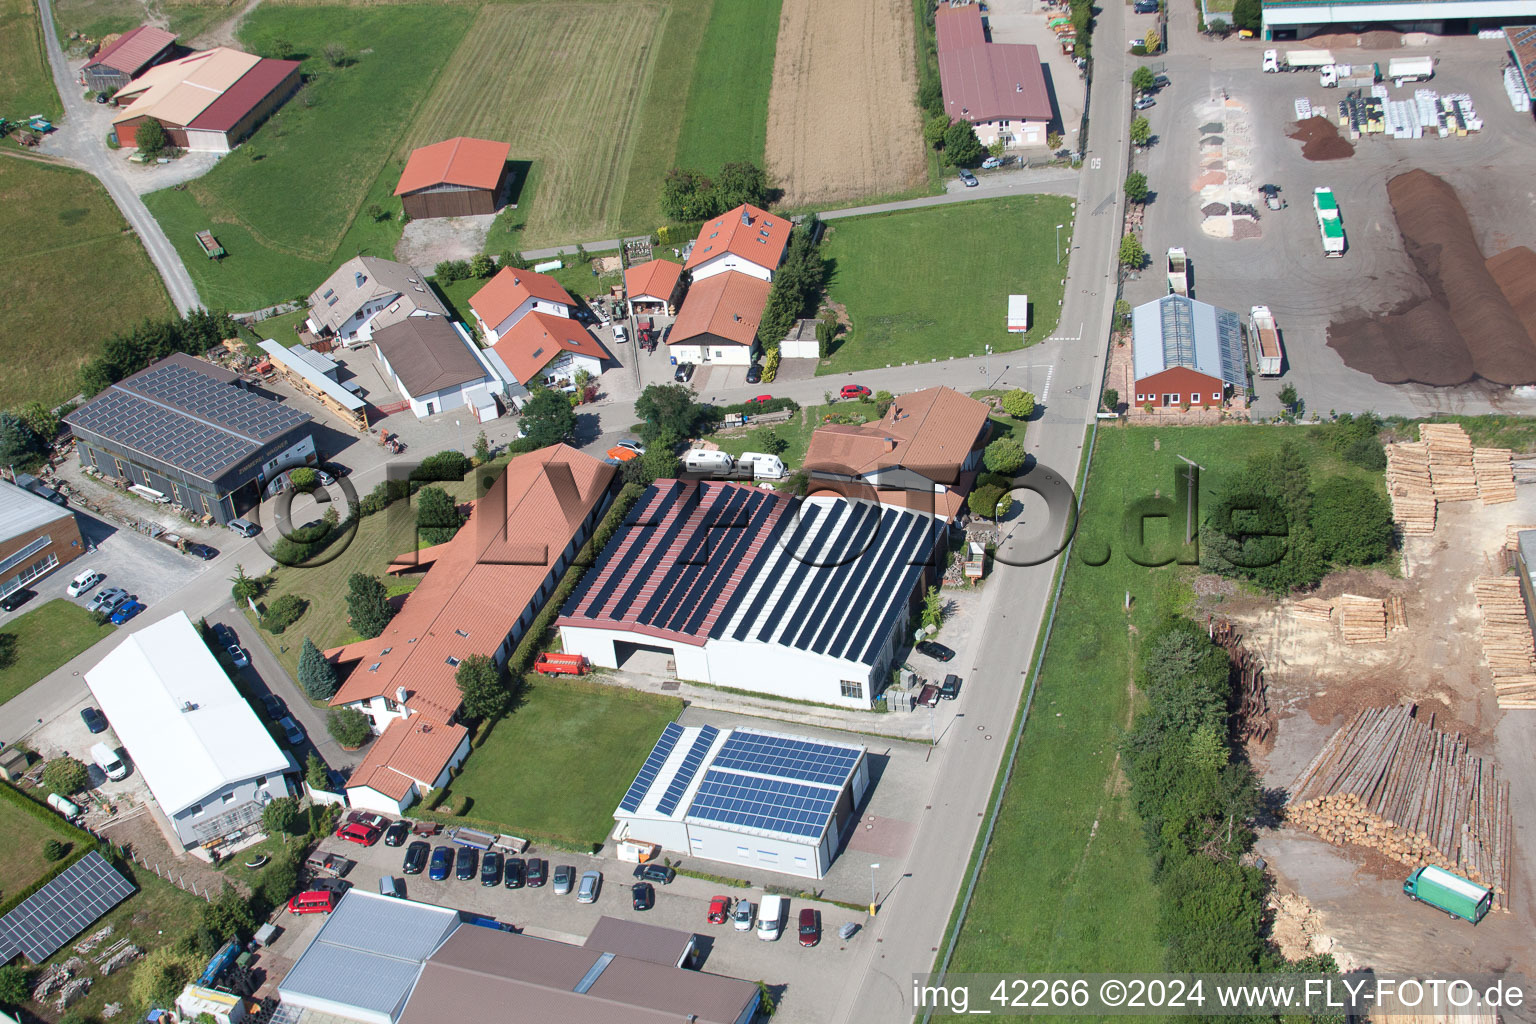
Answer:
(315, 901)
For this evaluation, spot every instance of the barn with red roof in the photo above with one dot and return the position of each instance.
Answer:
(456, 178)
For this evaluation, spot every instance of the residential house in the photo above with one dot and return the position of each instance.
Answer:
(719, 320)
(550, 349)
(437, 367)
(746, 240)
(511, 295)
(998, 87)
(367, 293)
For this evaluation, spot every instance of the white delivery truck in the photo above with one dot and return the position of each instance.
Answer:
(1410, 69)
(1266, 339)
(1297, 60)
(107, 760)
(709, 463)
(770, 917)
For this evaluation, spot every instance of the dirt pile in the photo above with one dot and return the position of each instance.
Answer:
(1467, 327)
(1514, 271)
(1320, 140)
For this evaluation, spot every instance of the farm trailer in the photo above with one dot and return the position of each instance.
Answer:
(1178, 272)
(1266, 339)
(1329, 225)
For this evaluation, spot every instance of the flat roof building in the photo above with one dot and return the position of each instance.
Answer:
(36, 537)
(1297, 19)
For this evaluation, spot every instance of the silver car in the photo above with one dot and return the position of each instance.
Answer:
(565, 877)
(743, 916)
(107, 601)
(591, 885)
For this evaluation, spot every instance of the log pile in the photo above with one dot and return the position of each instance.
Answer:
(1495, 471)
(1512, 535)
(1507, 642)
(1315, 612)
(1397, 616)
(1450, 461)
(1410, 487)
(1362, 620)
(1393, 783)
(1254, 719)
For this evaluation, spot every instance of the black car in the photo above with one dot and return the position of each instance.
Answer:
(951, 687)
(643, 895)
(202, 551)
(1146, 6)
(275, 709)
(466, 863)
(684, 373)
(397, 833)
(515, 873)
(538, 871)
(224, 636)
(93, 720)
(490, 868)
(16, 598)
(754, 374)
(416, 857)
(938, 652)
(659, 873)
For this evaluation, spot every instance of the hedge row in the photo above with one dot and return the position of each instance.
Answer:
(758, 408)
(82, 842)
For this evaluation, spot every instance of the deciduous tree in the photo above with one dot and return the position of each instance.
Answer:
(1005, 456)
(65, 775)
(1131, 253)
(151, 138)
(1141, 131)
(961, 146)
(1019, 404)
(482, 687)
(1143, 79)
(548, 418)
(1136, 189)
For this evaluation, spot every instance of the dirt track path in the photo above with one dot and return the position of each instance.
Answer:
(224, 33)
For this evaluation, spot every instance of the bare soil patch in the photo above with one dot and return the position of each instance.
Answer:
(843, 121)
(1320, 139)
(1514, 271)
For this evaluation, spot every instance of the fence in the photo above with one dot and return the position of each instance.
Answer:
(165, 874)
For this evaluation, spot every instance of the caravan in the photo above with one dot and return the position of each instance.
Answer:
(763, 466)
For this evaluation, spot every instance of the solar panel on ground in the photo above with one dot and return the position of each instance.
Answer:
(648, 771)
(787, 757)
(63, 908)
(772, 805)
(688, 769)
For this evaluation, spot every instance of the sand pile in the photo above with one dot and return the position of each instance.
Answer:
(1514, 272)
(1320, 139)
(1467, 327)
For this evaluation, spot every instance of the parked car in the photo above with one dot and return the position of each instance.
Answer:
(84, 582)
(684, 373)
(355, 832)
(950, 688)
(854, 391)
(719, 909)
(238, 656)
(223, 635)
(389, 885)
(490, 868)
(93, 719)
(442, 861)
(15, 599)
(416, 857)
(810, 927)
(642, 895)
(936, 651)
(244, 527)
(107, 600)
(274, 707)
(126, 611)
(754, 373)
(538, 871)
(1146, 6)
(315, 901)
(760, 399)
(969, 178)
(370, 818)
(397, 833)
(565, 877)
(742, 916)
(515, 873)
(1144, 102)
(653, 872)
(620, 336)
(291, 731)
(465, 863)
(591, 885)
(203, 551)
(619, 453)
(632, 445)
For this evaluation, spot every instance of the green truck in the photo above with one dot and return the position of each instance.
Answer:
(1450, 893)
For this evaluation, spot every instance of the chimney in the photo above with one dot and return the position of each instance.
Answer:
(359, 278)
(1019, 87)
(890, 444)
(746, 218)
(400, 694)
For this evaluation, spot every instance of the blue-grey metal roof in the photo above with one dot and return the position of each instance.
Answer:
(1179, 331)
(186, 414)
(62, 909)
(369, 953)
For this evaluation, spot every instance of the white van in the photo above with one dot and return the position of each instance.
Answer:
(107, 760)
(770, 918)
(702, 460)
(764, 466)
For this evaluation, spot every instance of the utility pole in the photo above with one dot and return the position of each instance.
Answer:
(1189, 498)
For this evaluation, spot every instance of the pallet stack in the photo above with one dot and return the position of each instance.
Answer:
(1398, 785)
(1450, 461)
(1507, 642)
(1315, 612)
(1362, 620)
(1495, 471)
(1410, 487)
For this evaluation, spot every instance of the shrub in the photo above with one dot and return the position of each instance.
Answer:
(443, 465)
(483, 687)
(279, 880)
(65, 776)
(53, 850)
(315, 773)
(348, 726)
(1111, 399)
(1131, 252)
(304, 479)
(15, 985)
(163, 973)
(1005, 455)
(278, 816)
(283, 612)
(437, 517)
(1352, 521)
(1019, 404)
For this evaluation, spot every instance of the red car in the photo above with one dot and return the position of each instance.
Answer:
(368, 818)
(760, 398)
(810, 927)
(854, 391)
(315, 901)
(719, 909)
(357, 832)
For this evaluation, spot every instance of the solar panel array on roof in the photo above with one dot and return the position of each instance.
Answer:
(772, 805)
(787, 757)
(1178, 334)
(688, 769)
(62, 909)
(1229, 337)
(653, 762)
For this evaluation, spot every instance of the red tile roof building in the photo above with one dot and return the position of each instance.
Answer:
(512, 294)
(551, 347)
(653, 287)
(456, 178)
(115, 65)
(719, 319)
(746, 240)
(998, 87)
(207, 101)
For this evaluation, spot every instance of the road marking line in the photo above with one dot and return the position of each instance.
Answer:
(1046, 394)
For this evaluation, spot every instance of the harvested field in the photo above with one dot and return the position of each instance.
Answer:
(1467, 327)
(843, 121)
(1320, 140)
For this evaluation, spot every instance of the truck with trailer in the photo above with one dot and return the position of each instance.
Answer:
(1178, 272)
(1266, 340)
(1329, 224)
(1410, 69)
(1450, 893)
(1297, 60)
(1350, 76)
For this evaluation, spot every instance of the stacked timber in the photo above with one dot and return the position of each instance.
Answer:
(1495, 472)
(1395, 784)
(1450, 461)
(1397, 616)
(1362, 620)
(1410, 487)
(1315, 612)
(1512, 535)
(1507, 642)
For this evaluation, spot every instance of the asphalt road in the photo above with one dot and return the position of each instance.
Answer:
(92, 156)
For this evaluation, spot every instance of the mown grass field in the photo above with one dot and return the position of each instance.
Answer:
(934, 283)
(546, 746)
(21, 848)
(47, 637)
(1066, 885)
(290, 203)
(26, 86)
(95, 19)
(726, 118)
(71, 274)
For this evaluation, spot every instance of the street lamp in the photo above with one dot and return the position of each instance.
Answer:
(986, 361)
(1058, 242)
(872, 868)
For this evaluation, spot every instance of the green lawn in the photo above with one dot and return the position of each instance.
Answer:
(537, 774)
(1065, 885)
(291, 202)
(21, 849)
(95, 19)
(726, 118)
(797, 431)
(47, 637)
(934, 283)
(26, 86)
